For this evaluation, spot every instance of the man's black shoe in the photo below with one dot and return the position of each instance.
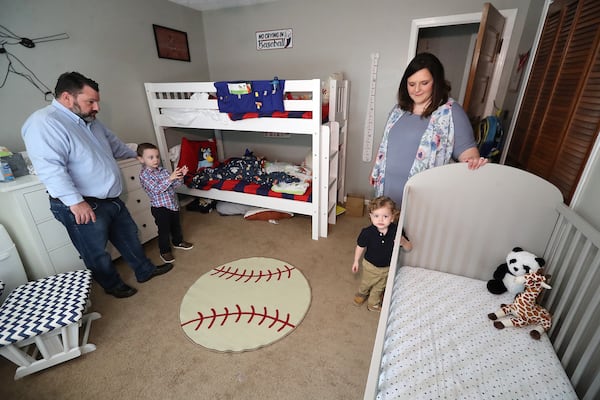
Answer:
(161, 269)
(121, 291)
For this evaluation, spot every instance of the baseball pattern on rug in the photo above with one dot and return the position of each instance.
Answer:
(245, 304)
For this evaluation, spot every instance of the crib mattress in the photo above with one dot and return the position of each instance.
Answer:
(440, 344)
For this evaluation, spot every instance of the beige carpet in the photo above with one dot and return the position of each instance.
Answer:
(142, 352)
(245, 304)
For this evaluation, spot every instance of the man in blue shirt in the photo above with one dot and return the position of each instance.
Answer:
(74, 155)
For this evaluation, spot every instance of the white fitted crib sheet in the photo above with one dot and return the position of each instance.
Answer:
(440, 344)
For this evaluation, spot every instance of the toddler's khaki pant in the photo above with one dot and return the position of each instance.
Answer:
(373, 282)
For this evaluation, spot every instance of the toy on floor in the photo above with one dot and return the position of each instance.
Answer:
(524, 311)
(518, 262)
(201, 205)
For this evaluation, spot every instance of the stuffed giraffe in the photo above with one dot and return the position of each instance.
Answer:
(524, 310)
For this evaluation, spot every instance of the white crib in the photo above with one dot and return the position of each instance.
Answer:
(463, 224)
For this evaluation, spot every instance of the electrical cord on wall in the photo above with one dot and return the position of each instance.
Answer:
(8, 38)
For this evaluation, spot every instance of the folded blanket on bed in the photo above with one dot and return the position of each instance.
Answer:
(293, 188)
(299, 185)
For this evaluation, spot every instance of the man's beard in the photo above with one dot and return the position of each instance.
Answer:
(89, 117)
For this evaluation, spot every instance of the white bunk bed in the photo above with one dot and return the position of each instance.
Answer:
(328, 140)
(435, 340)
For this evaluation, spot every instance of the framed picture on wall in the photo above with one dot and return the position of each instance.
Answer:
(171, 43)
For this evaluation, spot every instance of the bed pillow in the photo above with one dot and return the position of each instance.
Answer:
(190, 150)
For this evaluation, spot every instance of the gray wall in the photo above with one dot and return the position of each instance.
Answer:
(340, 35)
(451, 44)
(112, 42)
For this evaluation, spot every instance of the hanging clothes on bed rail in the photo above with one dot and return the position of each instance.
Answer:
(262, 97)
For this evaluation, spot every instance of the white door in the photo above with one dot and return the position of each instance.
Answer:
(485, 57)
(474, 18)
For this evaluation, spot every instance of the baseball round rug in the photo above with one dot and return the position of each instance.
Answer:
(245, 304)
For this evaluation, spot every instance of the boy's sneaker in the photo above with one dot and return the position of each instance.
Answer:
(184, 246)
(167, 257)
(376, 307)
(359, 300)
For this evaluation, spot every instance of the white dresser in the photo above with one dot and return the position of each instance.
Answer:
(42, 242)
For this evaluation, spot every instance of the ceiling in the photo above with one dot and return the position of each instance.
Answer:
(204, 5)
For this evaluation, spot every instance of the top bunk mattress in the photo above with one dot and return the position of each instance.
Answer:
(440, 344)
(200, 105)
(189, 116)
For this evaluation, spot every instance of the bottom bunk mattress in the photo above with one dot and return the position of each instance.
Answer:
(252, 188)
(440, 344)
(252, 175)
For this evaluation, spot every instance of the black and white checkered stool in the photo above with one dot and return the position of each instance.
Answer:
(40, 322)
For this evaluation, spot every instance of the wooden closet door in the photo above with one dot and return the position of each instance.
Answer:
(560, 113)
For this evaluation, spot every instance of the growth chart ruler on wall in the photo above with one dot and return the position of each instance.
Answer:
(370, 116)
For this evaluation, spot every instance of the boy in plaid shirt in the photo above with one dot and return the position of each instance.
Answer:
(160, 187)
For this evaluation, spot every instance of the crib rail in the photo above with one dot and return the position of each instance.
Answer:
(573, 260)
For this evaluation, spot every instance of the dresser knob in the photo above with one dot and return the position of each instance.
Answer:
(132, 178)
(139, 201)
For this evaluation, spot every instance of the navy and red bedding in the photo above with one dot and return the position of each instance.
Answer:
(253, 188)
(282, 114)
(246, 174)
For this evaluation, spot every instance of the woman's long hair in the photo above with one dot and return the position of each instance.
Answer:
(441, 87)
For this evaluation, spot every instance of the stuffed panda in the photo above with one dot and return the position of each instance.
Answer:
(518, 262)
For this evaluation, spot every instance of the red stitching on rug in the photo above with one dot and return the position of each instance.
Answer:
(263, 316)
(245, 275)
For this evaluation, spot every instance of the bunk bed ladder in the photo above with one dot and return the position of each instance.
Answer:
(338, 111)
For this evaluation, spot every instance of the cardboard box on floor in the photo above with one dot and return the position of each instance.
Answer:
(355, 205)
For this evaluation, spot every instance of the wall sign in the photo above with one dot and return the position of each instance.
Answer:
(277, 39)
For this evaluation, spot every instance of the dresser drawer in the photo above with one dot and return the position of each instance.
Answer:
(53, 234)
(131, 177)
(65, 259)
(147, 228)
(136, 201)
(38, 205)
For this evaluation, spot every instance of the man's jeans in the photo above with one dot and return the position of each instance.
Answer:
(114, 223)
